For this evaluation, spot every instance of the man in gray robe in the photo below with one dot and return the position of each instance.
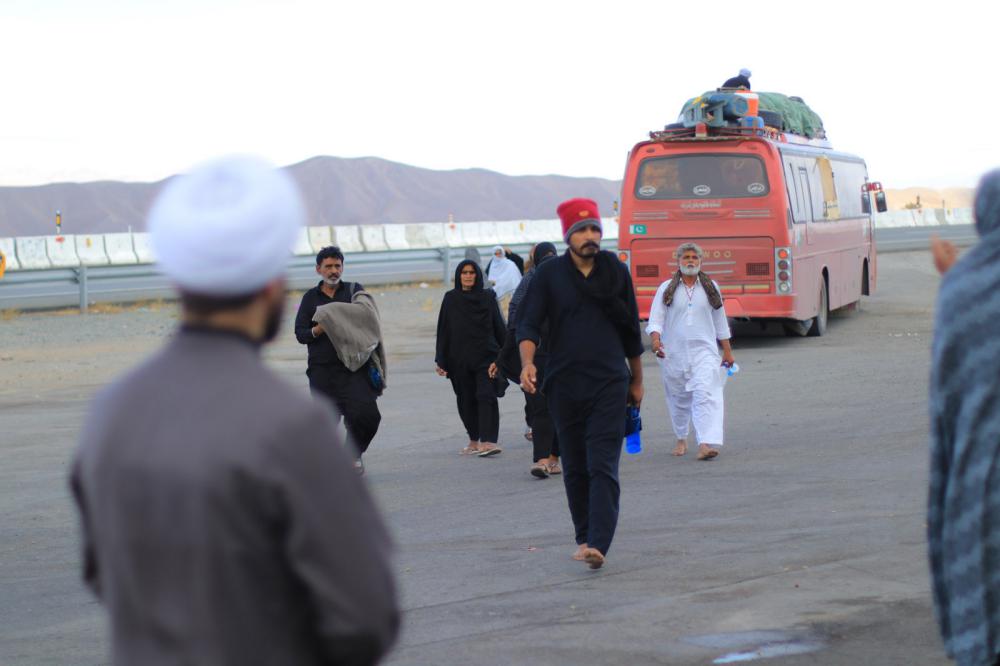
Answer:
(219, 525)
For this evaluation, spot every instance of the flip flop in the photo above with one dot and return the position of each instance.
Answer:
(470, 451)
(492, 451)
(540, 471)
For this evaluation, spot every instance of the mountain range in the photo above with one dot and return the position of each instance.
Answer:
(365, 190)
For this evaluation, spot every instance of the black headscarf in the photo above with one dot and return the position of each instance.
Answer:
(470, 327)
(542, 251)
(963, 526)
(605, 287)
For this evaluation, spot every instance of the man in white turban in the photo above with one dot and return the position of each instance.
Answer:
(219, 524)
(502, 275)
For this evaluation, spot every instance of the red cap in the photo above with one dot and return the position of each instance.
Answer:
(577, 213)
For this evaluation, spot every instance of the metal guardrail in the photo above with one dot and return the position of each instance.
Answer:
(82, 286)
(65, 287)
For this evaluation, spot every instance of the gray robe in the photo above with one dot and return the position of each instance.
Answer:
(963, 520)
(222, 521)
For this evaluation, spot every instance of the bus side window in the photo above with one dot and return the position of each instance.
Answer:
(795, 196)
(831, 207)
(807, 210)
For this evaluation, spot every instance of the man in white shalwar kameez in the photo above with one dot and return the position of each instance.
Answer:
(687, 325)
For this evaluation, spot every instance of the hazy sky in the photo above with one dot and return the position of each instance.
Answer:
(140, 90)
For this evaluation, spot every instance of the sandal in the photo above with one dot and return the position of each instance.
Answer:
(540, 470)
(553, 468)
(488, 450)
(470, 451)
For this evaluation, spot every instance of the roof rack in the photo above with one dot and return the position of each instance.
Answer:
(702, 132)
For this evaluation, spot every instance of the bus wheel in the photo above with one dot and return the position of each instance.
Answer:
(819, 321)
(797, 328)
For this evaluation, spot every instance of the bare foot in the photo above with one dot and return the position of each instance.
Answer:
(580, 551)
(593, 558)
(706, 452)
(681, 448)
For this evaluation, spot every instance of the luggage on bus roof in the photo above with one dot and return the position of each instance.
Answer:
(795, 115)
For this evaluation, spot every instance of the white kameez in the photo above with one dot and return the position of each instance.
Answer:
(690, 330)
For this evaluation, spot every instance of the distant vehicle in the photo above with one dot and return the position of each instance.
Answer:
(784, 220)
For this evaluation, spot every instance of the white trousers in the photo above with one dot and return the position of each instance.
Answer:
(694, 400)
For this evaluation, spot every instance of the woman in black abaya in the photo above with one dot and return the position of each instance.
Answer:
(470, 332)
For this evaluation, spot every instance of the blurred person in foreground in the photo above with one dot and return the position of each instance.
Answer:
(219, 526)
(593, 370)
(963, 521)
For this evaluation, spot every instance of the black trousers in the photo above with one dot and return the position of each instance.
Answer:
(590, 422)
(477, 404)
(354, 397)
(543, 437)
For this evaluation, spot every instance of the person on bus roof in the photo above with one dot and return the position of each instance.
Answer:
(741, 81)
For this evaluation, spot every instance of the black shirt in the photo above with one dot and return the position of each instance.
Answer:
(583, 344)
(321, 350)
(739, 81)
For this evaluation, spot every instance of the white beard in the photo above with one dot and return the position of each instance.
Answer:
(690, 270)
(331, 282)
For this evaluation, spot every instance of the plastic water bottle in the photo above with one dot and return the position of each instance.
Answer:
(633, 442)
(733, 369)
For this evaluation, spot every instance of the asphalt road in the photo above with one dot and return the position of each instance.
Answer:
(803, 542)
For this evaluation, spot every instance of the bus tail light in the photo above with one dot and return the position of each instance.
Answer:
(783, 269)
(625, 257)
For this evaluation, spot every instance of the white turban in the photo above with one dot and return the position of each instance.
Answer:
(745, 72)
(226, 228)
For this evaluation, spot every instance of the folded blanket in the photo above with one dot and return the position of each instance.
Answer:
(355, 332)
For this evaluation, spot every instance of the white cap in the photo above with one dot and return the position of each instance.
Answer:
(744, 72)
(226, 228)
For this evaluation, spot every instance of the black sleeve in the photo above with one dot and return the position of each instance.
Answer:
(441, 348)
(633, 345)
(533, 309)
(90, 571)
(499, 328)
(304, 321)
(518, 261)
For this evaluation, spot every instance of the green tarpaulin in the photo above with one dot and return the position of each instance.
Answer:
(796, 116)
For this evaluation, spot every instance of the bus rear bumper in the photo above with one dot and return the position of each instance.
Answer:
(765, 306)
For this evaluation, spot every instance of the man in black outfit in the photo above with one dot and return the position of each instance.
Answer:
(586, 298)
(351, 392)
(741, 81)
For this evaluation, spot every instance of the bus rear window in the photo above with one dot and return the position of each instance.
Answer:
(718, 176)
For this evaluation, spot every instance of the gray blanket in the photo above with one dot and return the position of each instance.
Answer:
(963, 518)
(355, 332)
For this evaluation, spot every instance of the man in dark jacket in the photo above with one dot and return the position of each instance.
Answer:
(586, 298)
(351, 392)
(219, 524)
(741, 81)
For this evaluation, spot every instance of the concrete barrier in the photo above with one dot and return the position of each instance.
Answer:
(395, 236)
(373, 238)
(348, 238)
(453, 235)
(119, 249)
(480, 234)
(9, 254)
(302, 247)
(90, 250)
(610, 226)
(426, 236)
(537, 231)
(962, 216)
(511, 233)
(61, 251)
(143, 248)
(320, 237)
(31, 252)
